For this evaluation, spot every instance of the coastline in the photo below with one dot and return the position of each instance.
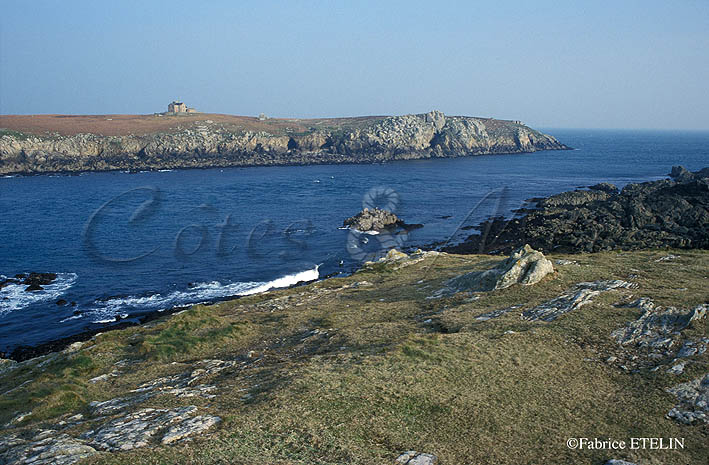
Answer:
(498, 242)
(200, 142)
(149, 169)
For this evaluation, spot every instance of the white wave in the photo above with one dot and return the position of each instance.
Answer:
(371, 233)
(73, 317)
(14, 297)
(106, 311)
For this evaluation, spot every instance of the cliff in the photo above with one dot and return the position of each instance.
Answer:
(217, 141)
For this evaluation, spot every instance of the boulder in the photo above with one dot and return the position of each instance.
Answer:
(525, 266)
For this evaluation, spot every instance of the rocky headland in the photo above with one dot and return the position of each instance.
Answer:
(47, 143)
(667, 213)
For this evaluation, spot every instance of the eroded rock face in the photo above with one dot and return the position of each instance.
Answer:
(370, 140)
(580, 295)
(525, 266)
(693, 397)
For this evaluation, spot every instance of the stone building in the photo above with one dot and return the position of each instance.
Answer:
(177, 107)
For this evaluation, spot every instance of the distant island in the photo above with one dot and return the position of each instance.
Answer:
(184, 138)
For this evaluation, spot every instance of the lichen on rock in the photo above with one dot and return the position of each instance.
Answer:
(524, 266)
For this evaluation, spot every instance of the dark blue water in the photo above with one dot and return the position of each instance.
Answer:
(128, 244)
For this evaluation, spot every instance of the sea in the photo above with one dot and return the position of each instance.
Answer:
(129, 245)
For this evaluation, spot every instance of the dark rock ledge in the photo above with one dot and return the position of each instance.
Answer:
(666, 213)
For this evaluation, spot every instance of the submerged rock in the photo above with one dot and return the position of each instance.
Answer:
(525, 266)
(33, 281)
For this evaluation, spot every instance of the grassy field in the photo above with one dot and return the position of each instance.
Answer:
(123, 125)
(356, 370)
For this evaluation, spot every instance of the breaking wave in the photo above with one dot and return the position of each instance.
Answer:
(14, 297)
(107, 311)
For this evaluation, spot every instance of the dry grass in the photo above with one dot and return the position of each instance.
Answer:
(121, 125)
(376, 379)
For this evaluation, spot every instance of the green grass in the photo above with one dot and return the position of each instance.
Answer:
(375, 379)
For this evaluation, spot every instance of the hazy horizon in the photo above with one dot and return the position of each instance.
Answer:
(635, 65)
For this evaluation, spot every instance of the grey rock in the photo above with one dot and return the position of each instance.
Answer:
(656, 325)
(7, 365)
(496, 313)
(677, 369)
(693, 397)
(137, 429)
(573, 198)
(667, 258)
(582, 294)
(190, 427)
(605, 187)
(185, 384)
(416, 458)
(687, 350)
(618, 462)
(111, 406)
(524, 266)
(43, 450)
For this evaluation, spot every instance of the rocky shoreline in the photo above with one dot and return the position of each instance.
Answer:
(204, 143)
(667, 213)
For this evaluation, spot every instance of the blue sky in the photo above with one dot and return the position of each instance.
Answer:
(601, 64)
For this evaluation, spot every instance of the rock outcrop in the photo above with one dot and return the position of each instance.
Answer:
(582, 294)
(693, 397)
(413, 457)
(525, 266)
(657, 325)
(373, 220)
(666, 213)
(203, 144)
